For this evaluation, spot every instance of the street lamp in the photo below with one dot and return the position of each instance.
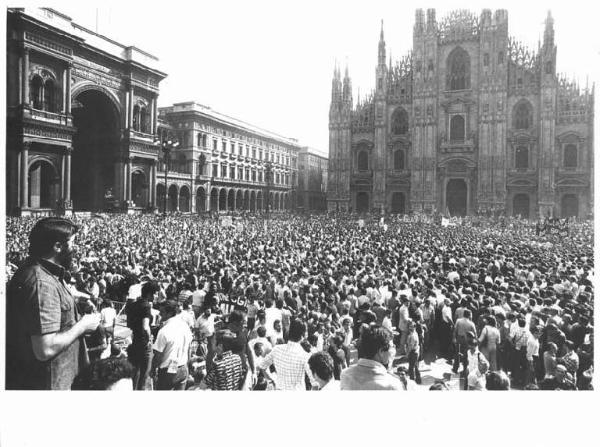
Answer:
(166, 145)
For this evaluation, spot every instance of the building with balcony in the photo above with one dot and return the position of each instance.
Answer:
(81, 118)
(312, 180)
(224, 164)
(469, 122)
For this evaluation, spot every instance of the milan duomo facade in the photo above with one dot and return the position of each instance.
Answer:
(469, 122)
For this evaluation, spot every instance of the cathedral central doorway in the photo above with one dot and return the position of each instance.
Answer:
(570, 206)
(362, 202)
(456, 197)
(95, 146)
(398, 203)
(521, 206)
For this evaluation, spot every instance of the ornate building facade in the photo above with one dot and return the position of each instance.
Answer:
(470, 121)
(312, 180)
(224, 164)
(81, 117)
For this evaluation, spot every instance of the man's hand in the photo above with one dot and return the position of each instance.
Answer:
(90, 322)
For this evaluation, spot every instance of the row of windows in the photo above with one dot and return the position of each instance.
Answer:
(248, 152)
(248, 174)
(569, 157)
(522, 120)
(362, 161)
(521, 158)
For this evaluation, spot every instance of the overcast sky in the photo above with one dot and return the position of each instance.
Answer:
(270, 63)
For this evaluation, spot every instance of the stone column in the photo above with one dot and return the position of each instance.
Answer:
(35, 177)
(130, 107)
(154, 114)
(68, 176)
(153, 183)
(25, 175)
(68, 89)
(25, 77)
(128, 179)
(62, 177)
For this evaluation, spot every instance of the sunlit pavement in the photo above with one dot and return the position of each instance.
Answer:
(432, 369)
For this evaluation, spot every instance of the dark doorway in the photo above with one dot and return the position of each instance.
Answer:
(521, 205)
(456, 197)
(570, 206)
(173, 198)
(139, 189)
(214, 200)
(398, 203)
(160, 197)
(43, 185)
(95, 146)
(362, 202)
(200, 200)
(184, 199)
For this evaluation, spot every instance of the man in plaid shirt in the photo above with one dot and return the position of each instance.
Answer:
(290, 360)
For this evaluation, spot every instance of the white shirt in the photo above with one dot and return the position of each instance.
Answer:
(173, 341)
(108, 316)
(291, 363)
(205, 325)
(272, 314)
(187, 318)
(198, 298)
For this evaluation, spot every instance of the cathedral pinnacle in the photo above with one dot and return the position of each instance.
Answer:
(381, 53)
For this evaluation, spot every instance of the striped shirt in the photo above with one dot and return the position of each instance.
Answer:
(291, 363)
(226, 373)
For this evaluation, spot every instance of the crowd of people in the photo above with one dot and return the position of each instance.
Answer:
(297, 303)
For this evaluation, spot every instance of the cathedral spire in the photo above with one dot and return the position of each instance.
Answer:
(347, 89)
(381, 54)
(549, 31)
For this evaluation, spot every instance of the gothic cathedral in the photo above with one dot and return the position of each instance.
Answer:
(469, 122)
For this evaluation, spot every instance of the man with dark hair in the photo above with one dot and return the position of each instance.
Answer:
(171, 349)
(44, 346)
(139, 318)
(290, 360)
(321, 366)
(371, 370)
(113, 374)
(463, 327)
(226, 372)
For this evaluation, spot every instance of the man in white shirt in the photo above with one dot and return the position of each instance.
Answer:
(198, 299)
(477, 368)
(171, 350)
(271, 314)
(532, 355)
(290, 360)
(205, 325)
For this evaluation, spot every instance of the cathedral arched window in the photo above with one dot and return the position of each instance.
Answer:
(143, 120)
(363, 161)
(399, 122)
(522, 157)
(457, 128)
(522, 115)
(458, 70)
(36, 92)
(136, 118)
(570, 156)
(399, 160)
(49, 95)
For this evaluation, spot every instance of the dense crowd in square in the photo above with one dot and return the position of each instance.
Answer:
(296, 302)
